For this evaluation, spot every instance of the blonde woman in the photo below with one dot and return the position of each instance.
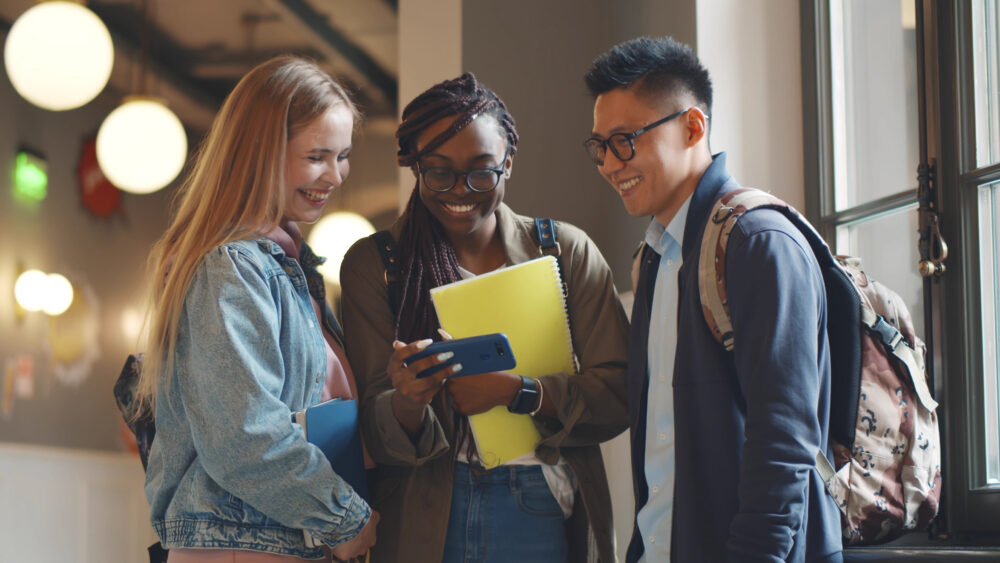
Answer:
(242, 336)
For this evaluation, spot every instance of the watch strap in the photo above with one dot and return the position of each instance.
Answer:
(526, 397)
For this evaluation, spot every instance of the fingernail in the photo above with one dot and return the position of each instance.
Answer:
(444, 334)
(456, 368)
(421, 344)
(445, 356)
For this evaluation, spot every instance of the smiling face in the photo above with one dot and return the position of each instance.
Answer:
(480, 144)
(664, 170)
(316, 163)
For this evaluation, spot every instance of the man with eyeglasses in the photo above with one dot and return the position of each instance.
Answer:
(723, 443)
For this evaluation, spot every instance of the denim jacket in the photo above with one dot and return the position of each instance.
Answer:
(229, 469)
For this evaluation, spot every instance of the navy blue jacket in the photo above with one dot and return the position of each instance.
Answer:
(749, 422)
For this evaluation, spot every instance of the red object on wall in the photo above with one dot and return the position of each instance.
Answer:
(99, 195)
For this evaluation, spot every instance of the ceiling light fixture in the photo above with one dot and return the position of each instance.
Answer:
(35, 290)
(58, 55)
(142, 146)
(333, 235)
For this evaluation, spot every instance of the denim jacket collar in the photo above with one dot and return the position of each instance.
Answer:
(309, 262)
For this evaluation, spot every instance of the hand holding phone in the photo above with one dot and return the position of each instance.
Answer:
(476, 354)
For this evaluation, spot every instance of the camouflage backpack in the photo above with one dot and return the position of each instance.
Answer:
(886, 472)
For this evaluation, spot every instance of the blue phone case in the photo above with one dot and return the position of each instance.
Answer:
(477, 354)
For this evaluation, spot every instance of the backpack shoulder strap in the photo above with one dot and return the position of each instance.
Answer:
(545, 232)
(712, 256)
(387, 250)
(548, 244)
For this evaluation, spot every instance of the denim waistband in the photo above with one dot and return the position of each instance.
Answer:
(476, 474)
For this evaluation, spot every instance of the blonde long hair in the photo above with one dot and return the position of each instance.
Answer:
(235, 188)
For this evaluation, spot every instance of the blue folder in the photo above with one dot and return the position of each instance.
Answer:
(333, 427)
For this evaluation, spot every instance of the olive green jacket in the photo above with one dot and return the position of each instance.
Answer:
(412, 483)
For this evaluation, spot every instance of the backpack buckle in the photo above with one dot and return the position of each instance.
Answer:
(887, 333)
(722, 214)
(555, 250)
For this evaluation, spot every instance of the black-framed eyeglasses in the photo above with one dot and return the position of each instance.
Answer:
(441, 179)
(621, 143)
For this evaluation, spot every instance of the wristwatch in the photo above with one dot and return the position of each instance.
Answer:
(526, 398)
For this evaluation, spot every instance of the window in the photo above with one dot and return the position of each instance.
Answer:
(890, 87)
(989, 275)
(872, 213)
(986, 80)
(986, 86)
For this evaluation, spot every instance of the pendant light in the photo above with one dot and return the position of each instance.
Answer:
(333, 235)
(142, 146)
(58, 55)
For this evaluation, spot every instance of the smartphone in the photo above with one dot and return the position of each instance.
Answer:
(477, 354)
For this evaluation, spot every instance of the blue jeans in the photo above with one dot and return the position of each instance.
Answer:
(507, 514)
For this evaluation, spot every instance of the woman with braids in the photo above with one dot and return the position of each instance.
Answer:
(436, 500)
(241, 334)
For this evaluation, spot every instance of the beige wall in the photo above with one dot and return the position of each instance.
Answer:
(751, 49)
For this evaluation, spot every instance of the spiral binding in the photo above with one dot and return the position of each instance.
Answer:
(565, 310)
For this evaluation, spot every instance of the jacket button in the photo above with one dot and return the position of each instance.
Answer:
(319, 377)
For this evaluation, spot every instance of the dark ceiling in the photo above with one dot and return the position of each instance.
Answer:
(194, 51)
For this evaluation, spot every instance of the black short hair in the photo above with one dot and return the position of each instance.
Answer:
(658, 67)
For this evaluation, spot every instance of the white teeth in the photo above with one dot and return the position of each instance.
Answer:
(314, 196)
(459, 208)
(628, 184)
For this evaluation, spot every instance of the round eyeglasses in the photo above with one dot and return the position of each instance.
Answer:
(621, 144)
(440, 179)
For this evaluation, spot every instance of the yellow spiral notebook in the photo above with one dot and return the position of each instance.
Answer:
(524, 301)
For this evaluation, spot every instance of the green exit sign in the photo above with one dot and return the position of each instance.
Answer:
(31, 177)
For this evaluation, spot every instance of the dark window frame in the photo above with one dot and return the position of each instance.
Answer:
(971, 509)
(968, 516)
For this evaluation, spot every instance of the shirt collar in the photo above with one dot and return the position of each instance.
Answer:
(659, 238)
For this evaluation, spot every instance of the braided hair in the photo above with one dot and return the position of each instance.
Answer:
(427, 257)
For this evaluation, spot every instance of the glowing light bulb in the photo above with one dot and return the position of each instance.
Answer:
(30, 288)
(60, 294)
(333, 235)
(141, 146)
(58, 55)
